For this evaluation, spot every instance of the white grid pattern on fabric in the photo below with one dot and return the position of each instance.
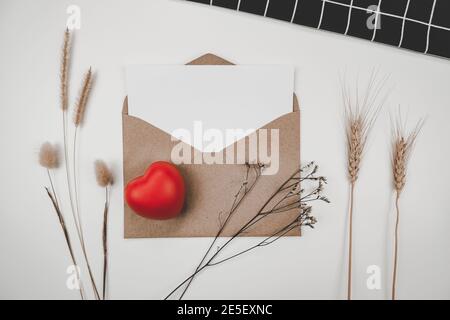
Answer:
(295, 10)
(349, 17)
(403, 24)
(267, 7)
(351, 7)
(378, 13)
(321, 14)
(429, 26)
(377, 16)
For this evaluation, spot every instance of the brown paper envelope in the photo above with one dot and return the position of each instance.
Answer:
(210, 187)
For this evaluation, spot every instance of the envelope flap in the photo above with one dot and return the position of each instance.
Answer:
(209, 59)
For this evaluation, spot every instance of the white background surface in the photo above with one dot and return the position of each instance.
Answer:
(113, 33)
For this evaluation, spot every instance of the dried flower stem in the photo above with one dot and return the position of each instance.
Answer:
(396, 236)
(64, 76)
(244, 189)
(105, 241)
(54, 199)
(64, 85)
(288, 192)
(80, 109)
(80, 227)
(104, 179)
(350, 243)
(402, 149)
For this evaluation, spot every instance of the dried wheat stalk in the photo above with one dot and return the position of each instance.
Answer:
(361, 113)
(403, 144)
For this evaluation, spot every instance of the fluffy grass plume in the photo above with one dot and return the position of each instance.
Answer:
(103, 174)
(64, 72)
(49, 156)
(80, 107)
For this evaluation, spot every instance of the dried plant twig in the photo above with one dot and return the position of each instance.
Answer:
(79, 112)
(105, 180)
(49, 159)
(246, 186)
(73, 198)
(403, 145)
(361, 113)
(287, 197)
(64, 96)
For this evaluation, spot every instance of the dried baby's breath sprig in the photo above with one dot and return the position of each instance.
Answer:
(288, 197)
(403, 145)
(104, 179)
(361, 113)
(252, 175)
(49, 156)
(80, 107)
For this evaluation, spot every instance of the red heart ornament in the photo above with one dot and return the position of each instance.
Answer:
(158, 194)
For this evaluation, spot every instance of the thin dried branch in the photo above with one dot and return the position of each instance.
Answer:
(62, 223)
(105, 241)
(272, 206)
(244, 189)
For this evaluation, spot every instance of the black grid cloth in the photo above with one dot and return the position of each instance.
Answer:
(419, 25)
